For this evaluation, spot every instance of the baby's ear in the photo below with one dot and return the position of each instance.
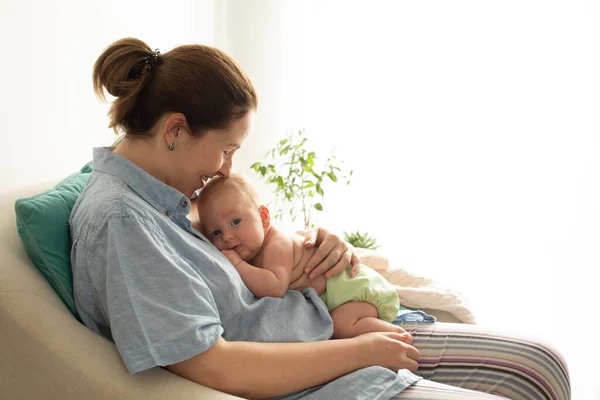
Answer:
(265, 216)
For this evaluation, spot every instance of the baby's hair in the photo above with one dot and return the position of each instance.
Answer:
(235, 181)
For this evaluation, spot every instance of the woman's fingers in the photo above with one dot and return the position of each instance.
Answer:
(332, 256)
(311, 237)
(408, 354)
(322, 253)
(411, 365)
(325, 265)
(391, 350)
(355, 263)
(411, 351)
(406, 338)
(342, 263)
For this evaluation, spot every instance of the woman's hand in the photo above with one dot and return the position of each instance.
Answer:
(390, 350)
(332, 257)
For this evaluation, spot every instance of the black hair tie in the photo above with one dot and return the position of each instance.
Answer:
(151, 60)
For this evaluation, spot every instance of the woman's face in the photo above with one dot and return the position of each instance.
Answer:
(203, 158)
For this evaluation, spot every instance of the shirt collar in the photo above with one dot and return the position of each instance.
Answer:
(159, 195)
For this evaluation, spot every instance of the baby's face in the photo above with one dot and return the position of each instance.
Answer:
(230, 222)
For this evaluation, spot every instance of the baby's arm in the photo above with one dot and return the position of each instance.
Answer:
(273, 278)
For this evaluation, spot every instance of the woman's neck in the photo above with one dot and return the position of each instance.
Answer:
(144, 154)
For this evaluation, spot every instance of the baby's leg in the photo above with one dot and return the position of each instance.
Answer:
(355, 318)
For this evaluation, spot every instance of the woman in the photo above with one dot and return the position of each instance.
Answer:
(147, 280)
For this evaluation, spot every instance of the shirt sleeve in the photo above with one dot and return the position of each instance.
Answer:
(159, 309)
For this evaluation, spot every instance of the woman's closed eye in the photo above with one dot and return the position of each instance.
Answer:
(228, 153)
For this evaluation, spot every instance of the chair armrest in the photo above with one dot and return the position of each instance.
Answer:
(46, 353)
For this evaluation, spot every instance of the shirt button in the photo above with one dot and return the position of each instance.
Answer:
(169, 214)
(184, 203)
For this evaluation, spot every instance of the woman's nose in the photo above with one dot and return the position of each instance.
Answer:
(226, 168)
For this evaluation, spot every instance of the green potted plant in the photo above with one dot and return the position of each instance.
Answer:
(361, 240)
(299, 177)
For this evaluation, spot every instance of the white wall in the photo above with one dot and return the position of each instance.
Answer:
(50, 116)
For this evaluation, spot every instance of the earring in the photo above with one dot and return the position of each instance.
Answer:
(172, 145)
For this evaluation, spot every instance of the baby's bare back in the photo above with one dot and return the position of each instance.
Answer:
(298, 279)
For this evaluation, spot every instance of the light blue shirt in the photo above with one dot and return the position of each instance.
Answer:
(146, 280)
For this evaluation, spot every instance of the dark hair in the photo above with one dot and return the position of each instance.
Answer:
(201, 82)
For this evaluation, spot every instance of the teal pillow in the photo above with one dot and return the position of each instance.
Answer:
(43, 225)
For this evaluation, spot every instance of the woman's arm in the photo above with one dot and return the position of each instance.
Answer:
(263, 370)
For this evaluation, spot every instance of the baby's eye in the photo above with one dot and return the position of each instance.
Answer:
(236, 221)
(216, 233)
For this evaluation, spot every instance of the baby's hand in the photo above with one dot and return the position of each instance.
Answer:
(233, 257)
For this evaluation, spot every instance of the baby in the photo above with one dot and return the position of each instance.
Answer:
(268, 259)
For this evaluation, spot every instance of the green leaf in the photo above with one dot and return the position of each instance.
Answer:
(285, 150)
(308, 184)
(332, 176)
(318, 206)
(320, 190)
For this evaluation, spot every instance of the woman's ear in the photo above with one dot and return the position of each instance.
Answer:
(265, 216)
(172, 127)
